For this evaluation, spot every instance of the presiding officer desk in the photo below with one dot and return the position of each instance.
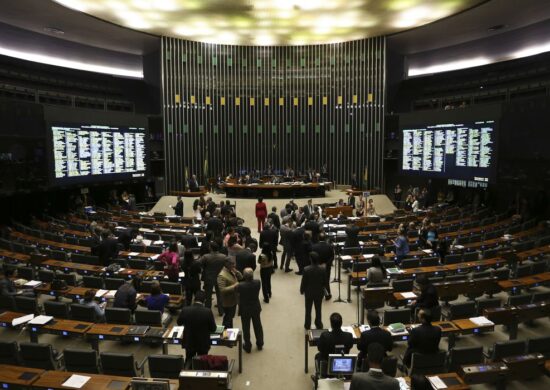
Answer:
(270, 190)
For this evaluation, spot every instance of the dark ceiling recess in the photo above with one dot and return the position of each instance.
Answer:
(497, 27)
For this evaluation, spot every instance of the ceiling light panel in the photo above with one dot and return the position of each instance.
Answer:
(270, 22)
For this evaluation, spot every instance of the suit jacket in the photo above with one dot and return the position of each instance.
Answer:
(271, 236)
(313, 227)
(423, 339)
(245, 259)
(329, 340)
(325, 252)
(286, 235)
(373, 380)
(178, 208)
(428, 298)
(313, 281)
(249, 297)
(227, 283)
(107, 251)
(212, 264)
(192, 185)
(275, 219)
(215, 225)
(189, 241)
(375, 335)
(199, 323)
(352, 233)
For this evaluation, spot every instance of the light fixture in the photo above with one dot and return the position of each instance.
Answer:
(449, 66)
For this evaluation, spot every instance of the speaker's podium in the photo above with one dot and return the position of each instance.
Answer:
(205, 380)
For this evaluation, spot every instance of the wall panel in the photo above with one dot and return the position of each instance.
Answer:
(249, 107)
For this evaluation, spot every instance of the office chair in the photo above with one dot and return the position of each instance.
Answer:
(46, 276)
(403, 285)
(171, 288)
(459, 356)
(424, 364)
(502, 349)
(165, 366)
(70, 279)
(397, 315)
(516, 300)
(539, 345)
(149, 317)
(538, 267)
(7, 302)
(470, 256)
(92, 282)
(460, 310)
(154, 249)
(113, 283)
(26, 273)
(541, 297)
(121, 364)
(56, 309)
(486, 303)
(81, 360)
(410, 263)
(81, 312)
(117, 315)
(26, 304)
(429, 261)
(38, 355)
(453, 259)
(137, 263)
(523, 270)
(145, 286)
(137, 248)
(9, 352)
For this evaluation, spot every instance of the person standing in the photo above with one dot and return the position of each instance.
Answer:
(107, 250)
(261, 213)
(325, 250)
(212, 264)
(250, 308)
(245, 259)
(266, 269)
(274, 218)
(193, 184)
(270, 236)
(178, 208)
(171, 261)
(286, 241)
(313, 288)
(397, 192)
(228, 280)
(401, 245)
(198, 322)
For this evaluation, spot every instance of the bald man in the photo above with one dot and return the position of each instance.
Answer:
(250, 308)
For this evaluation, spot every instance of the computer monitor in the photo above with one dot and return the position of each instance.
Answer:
(341, 365)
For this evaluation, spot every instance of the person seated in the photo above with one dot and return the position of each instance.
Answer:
(376, 272)
(99, 309)
(373, 335)
(424, 338)
(125, 296)
(156, 300)
(334, 341)
(7, 287)
(428, 298)
(374, 379)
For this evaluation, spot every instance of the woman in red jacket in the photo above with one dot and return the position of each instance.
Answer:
(261, 213)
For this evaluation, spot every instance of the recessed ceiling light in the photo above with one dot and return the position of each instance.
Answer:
(53, 30)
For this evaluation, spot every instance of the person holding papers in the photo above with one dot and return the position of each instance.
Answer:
(198, 322)
(333, 341)
(374, 379)
(424, 338)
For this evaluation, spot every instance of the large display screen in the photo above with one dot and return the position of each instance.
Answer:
(97, 152)
(464, 151)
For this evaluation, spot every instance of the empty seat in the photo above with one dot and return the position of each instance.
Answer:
(424, 364)
(453, 259)
(56, 309)
(523, 270)
(541, 297)
(120, 364)
(403, 285)
(470, 256)
(464, 356)
(25, 273)
(410, 263)
(148, 317)
(81, 360)
(9, 352)
(70, 279)
(154, 249)
(26, 304)
(113, 283)
(538, 267)
(516, 300)
(539, 345)
(92, 282)
(58, 255)
(165, 366)
(171, 288)
(46, 276)
(38, 355)
(81, 312)
(397, 315)
(486, 303)
(460, 310)
(429, 261)
(117, 315)
(137, 248)
(7, 302)
(502, 349)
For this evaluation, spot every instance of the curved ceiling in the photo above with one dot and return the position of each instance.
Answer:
(270, 22)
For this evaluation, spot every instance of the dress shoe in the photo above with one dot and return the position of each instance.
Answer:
(247, 349)
(299, 273)
(260, 347)
(328, 297)
(266, 300)
(288, 270)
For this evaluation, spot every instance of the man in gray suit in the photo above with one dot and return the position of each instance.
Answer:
(250, 308)
(374, 379)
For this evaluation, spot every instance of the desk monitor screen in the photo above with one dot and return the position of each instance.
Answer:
(341, 364)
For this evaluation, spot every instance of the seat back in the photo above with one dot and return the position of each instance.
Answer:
(9, 352)
(154, 249)
(148, 317)
(538, 267)
(487, 303)
(397, 315)
(7, 302)
(25, 273)
(403, 285)
(137, 248)
(37, 355)
(524, 270)
(504, 349)
(350, 251)
(113, 283)
(541, 297)
(117, 315)
(171, 288)
(429, 261)
(92, 281)
(464, 356)
(453, 258)
(470, 256)
(56, 309)
(462, 310)
(121, 364)
(425, 364)
(137, 263)
(81, 312)
(145, 286)
(81, 360)
(46, 276)
(516, 300)
(70, 279)
(410, 263)
(165, 366)
(539, 345)
(26, 304)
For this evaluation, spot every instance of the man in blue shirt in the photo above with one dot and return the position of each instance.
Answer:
(401, 245)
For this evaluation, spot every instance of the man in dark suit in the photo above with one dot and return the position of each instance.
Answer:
(215, 224)
(312, 226)
(325, 250)
(270, 235)
(178, 208)
(193, 184)
(274, 218)
(189, 241)
(428, 298)
(250, 308)
(245, 259)
(309, 209)
(302, 247)
(212, 264)
(287, 239)
(374, 379)
(107, 250)
(424, 338)
(334, 341)
(373, 335)
(199, 323)
(352, 236)
(313, 288)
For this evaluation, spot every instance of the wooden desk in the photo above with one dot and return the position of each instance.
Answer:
(452, 380)
(336, 210)
(99, 332)
(525, 366)
(8, 316)
(512, 316)
(60, 327)
(79, 268)
(55, 380)
(528, 281)
(15, 377)
(485, 373)
(468, 327)
(300, 190)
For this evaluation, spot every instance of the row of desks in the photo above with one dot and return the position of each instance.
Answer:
(96, 332)
(449, 329)
(512, 316)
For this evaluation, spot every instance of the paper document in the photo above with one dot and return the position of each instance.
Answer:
(363, 328)
(40, 320)
(22, 320)
(331, 384)
(436, 382)
(408, 295)
(33, 283)
(481, 321)
(403, 384)
(368, 256)
(99, 293)
(147, 242)
(232, 333)
(181, 274)
(133, 254)
(110, 294)
(349, 329)
(177, 332)
(76, 381)
(345, 257)
(155, 257)
(428, 251)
